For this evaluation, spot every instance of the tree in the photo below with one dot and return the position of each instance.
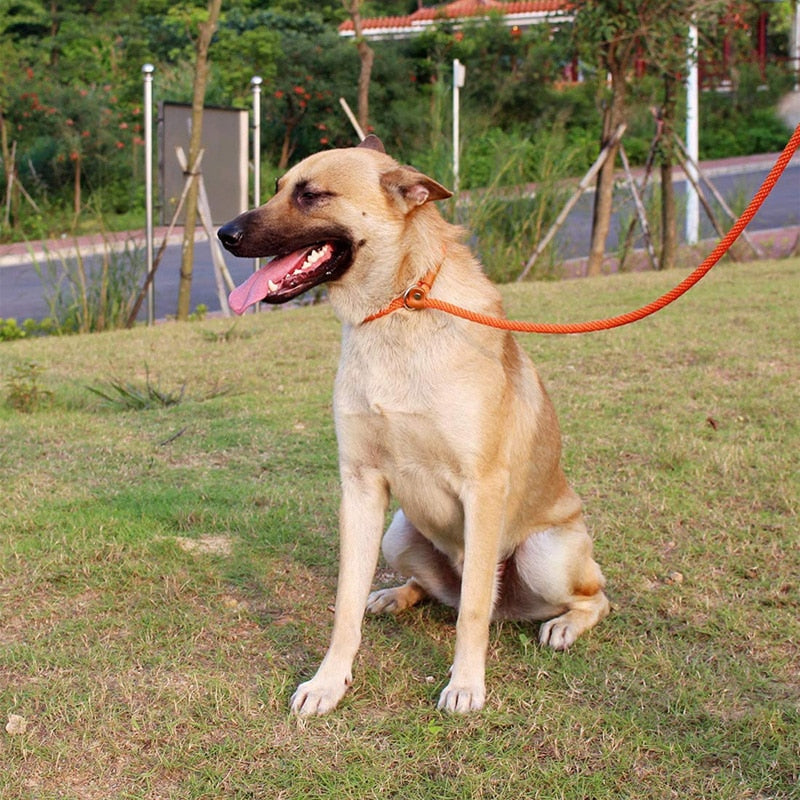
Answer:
(617, 34)
(206, 28)
(366, 56)
(312, 70)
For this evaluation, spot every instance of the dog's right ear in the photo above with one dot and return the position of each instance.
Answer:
(412, 187)
(372, 142)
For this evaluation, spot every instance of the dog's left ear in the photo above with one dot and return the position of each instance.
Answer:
(412, 188)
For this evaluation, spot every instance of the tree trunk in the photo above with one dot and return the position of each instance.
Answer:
(669, 235)
(367, 56)
(603, 198)
(286, 146)
(206, 31)
(9, 167)
(669, 228)
(76, 193)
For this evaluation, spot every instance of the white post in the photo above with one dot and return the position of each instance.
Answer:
(459, 78)
(255, 83)
(147, 72)
(692, 139)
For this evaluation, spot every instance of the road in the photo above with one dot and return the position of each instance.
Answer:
(23, 292)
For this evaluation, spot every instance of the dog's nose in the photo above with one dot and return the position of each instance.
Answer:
(230, 234)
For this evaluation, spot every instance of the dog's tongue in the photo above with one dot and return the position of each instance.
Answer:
(256, 287)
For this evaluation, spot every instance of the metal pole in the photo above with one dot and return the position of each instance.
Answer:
(147, 72)
(692, 140)
(255, 84)
(459, 77)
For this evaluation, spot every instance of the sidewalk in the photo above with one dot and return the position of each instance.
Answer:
(66, 246)
(12, 255)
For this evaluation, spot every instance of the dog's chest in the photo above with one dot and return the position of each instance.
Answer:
(385, 377)
(415, 409)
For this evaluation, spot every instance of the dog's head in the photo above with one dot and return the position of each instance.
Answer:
(324, 213)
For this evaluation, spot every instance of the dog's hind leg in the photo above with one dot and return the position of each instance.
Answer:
(431, 573)
(556, 580)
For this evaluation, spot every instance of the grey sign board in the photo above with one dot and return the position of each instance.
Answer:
(224, 166)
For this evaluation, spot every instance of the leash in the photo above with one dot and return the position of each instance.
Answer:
(417, 296)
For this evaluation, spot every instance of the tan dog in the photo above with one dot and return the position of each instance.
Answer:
(447, 416)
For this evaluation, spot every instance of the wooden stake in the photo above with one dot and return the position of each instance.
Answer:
(582, 186)
(639, 207)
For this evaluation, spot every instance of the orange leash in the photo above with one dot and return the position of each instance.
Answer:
(417, 296)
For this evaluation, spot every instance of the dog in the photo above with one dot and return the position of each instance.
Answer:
(447, 416)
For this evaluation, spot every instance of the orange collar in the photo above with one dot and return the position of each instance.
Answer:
(412, 298)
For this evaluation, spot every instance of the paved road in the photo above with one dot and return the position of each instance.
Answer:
(22, 292)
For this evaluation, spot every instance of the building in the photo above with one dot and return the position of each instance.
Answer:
(515, 15)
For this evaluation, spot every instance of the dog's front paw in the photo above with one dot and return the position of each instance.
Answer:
(460, 699)
(318, 696)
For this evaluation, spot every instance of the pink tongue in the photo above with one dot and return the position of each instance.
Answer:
(256, 287)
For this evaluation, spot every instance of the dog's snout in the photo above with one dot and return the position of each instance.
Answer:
(230, 234)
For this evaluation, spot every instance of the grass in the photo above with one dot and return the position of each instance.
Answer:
(166, 575)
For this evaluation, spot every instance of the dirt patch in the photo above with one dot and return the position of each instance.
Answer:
(214, 545)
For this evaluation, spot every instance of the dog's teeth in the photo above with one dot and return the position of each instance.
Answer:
(313, 257)
(273, 287)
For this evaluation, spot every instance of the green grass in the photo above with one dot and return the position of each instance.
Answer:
(166, 575)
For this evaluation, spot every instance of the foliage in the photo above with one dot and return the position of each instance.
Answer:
(522, 188)
(313, 68)
(70, 99)
(25, 392)
(10, 330)
(92, 292)
(126, 395)
(741, 121)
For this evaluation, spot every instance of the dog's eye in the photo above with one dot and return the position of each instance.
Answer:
(307, 198)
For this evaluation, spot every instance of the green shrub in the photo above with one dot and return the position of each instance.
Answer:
(84, 296)
(25, 393)
(9, 330)
(133, 397)
(524, 191)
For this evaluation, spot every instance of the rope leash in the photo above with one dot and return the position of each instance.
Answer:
(417, 296)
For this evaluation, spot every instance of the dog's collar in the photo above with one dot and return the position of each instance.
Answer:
(412, 298)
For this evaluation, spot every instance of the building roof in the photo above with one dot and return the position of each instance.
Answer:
(520, 14)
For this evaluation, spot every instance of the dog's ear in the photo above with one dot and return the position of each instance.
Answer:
(412, 187)
(372, 142)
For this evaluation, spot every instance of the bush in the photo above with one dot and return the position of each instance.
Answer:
(86, 296)
(524, 191)
(9, 330)
(24, 390)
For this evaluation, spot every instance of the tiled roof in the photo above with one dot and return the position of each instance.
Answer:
(460, 9)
